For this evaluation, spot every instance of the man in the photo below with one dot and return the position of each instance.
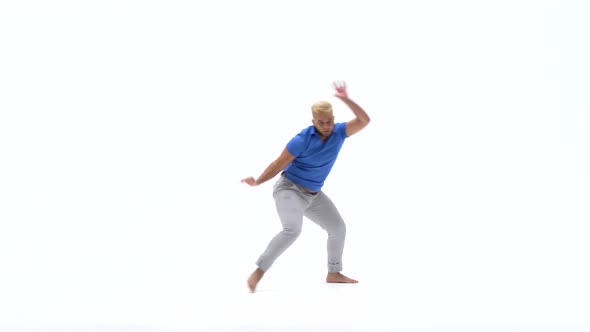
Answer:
(305, 163)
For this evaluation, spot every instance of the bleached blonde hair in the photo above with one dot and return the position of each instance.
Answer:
(321, 107)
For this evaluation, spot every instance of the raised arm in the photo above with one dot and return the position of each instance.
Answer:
(361, 119)
(272, 170)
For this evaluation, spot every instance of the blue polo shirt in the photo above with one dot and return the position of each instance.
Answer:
(313, 158)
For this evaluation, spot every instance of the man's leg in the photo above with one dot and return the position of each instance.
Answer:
(290, 206)
(323, 212)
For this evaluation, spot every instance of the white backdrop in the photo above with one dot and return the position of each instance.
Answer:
(125, 127)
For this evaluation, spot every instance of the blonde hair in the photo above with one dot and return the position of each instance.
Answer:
(321, 107)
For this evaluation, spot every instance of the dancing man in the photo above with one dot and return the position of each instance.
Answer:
(304, 164)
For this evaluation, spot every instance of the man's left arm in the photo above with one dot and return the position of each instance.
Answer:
(361, 119)
(359, 122)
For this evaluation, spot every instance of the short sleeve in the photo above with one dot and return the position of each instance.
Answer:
(340, 129)
(296, 145)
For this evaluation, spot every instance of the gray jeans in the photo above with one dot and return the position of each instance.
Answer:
(293, 202)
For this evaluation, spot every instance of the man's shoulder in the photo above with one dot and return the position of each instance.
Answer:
(307, 130)
(305, 133)
(299, 143)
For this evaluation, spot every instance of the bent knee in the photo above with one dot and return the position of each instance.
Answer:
(292, 231)
(338, 229)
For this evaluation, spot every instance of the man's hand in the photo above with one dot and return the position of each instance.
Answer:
(340, 90)
(249, 181)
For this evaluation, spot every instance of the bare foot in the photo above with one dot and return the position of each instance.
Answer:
(254, 279)
(337, 277)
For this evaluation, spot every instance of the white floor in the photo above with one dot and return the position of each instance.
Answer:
(173, 271)
(173, 278)
(306, 304)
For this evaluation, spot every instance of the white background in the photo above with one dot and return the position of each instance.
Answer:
(125, 127)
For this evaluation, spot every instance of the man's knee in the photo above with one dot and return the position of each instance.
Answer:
(292, 231)
(338, 229)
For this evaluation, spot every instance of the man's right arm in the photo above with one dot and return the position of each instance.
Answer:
(273, 169)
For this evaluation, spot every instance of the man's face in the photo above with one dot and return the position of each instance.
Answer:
(323, 123)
